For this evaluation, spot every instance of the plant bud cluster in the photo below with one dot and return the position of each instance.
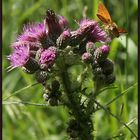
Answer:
(52, 93)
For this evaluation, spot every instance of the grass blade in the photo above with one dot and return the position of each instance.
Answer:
(23, 103)
(18, 91)
(116, 117)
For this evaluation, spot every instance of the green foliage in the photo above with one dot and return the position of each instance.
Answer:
(25, 121)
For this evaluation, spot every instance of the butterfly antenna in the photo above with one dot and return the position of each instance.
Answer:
(76, 21)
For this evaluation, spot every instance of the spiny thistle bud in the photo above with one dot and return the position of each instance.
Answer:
(107, 66)
(73, 128)
(38, 54)
(55, 86)
(55, 94)
(63, 39)
(100, 80)
(105, 49)
(52, 95)
(110, 79)
(46, 91)
(44, 67)
(31, 65)
(52, 23)
(95, 64)
(99, 76)
(41, 76)
(87, 57)
(46, 42)
(97, 70)
(47, 57)
(73, 134)
(32, 53)
(53, 101)
(101, 53)
(90, 47)
(102, 73)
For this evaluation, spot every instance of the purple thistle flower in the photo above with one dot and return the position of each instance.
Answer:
(66, 33)
(105, 49)
(36, 32)
(26, 37)
(48, 56)
(64, 39)
(53, 49)
(32, 45)
(63, 22)
(101, 53)
(90, 47)
(82, 32)
(86, 21)
(20, 56)
(87, 57)
(97, 34)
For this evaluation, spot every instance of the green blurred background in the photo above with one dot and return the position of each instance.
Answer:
(21, 122)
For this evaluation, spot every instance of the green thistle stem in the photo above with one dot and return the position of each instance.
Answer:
(76, 108)
(90, 106)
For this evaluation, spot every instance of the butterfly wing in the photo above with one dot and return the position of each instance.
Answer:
(118, 31)
(103, 14)
(121, 31)
(115, 32)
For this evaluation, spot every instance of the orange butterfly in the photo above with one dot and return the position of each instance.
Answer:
(109, 25)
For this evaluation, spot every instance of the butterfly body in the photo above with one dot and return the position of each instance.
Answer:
(110, 27)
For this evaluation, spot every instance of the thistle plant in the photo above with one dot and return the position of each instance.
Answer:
(48, 50)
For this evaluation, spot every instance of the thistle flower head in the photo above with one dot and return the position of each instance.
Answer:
(66, 33)
(32, 45)
(26, 37)
(85, 22)
(110, 79)
(62, 22)
(19, 56)
(90, 47)
(97, 34)
(33, 32)
(105, 49)
(107, 66)
(81, 33)
(41, 76)
(63, 39)
(101, 53)
(87, 57)
(48, 56)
